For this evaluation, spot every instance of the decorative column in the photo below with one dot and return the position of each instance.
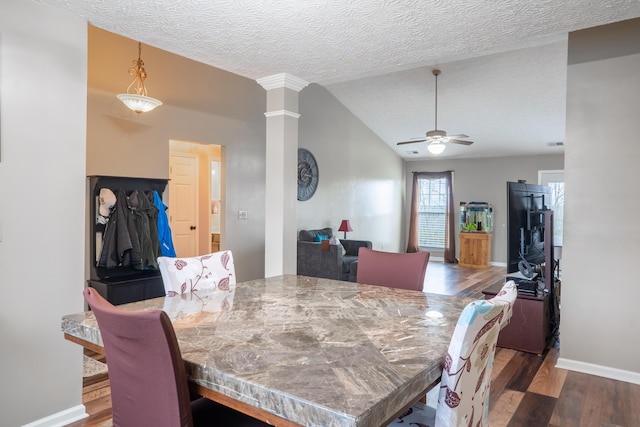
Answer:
(281, 173)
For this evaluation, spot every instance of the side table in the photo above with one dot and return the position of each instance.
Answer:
(530, 327)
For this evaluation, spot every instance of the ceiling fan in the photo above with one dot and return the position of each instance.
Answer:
(436, 138)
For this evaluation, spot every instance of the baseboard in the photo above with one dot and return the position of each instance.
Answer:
(599, 370)
(498, 264)
(61, 418)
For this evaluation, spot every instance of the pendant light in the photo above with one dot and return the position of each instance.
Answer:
(136, 96)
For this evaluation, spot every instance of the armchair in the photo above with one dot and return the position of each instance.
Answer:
(332, 264)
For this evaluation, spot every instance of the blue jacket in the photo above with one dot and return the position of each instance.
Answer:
(164, 231)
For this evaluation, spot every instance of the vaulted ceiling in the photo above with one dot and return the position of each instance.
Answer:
(503, 63)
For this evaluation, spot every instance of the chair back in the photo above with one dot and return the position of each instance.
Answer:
(395, 270)
(184, 275)
(146, 371)
(464, 389)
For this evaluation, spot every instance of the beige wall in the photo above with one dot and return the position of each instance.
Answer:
(121, 143)
(360, 178)
(599, 326)
(43, 57)
(485, 180)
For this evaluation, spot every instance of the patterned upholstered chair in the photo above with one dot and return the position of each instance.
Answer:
(463, 398)
(394, 270)
(147, 374)
(184, 275)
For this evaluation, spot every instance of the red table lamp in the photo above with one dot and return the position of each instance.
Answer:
(345, 226)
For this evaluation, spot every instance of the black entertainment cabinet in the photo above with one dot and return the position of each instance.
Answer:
(536, 316)
(120, 285)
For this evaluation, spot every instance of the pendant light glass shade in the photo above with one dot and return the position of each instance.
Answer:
(436, 147)
(139, 103)
(136, 97)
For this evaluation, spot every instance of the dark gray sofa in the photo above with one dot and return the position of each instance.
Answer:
(331, 264)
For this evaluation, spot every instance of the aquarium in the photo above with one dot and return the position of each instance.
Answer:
(476, 217)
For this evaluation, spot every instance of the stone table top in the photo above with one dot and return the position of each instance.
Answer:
(317, 352)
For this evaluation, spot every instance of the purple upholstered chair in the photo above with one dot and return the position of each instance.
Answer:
(147, 374)
(464, 388)
(395, 270)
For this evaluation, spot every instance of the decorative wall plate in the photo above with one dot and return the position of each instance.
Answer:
(307, 174)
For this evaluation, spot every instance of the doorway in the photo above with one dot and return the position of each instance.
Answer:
(193, 197)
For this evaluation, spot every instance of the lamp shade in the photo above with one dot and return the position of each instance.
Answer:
(345, 226)
(139, 103)
(436, 147)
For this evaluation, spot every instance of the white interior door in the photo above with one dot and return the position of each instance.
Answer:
(183, 203)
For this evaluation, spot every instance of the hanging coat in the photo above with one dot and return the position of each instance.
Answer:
(143, 213)
(164, 231)
(120, 244)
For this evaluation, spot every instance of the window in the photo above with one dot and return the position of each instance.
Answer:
(432, 212)
(557, 205)
(555, 180)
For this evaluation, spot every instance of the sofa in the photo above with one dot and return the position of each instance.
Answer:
(334, 263)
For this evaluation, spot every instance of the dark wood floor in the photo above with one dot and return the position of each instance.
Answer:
(526, 389)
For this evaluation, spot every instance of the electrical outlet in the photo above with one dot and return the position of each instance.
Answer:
(242, 214)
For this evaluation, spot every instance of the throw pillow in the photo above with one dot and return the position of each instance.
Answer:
(321, 237)
(344, 251)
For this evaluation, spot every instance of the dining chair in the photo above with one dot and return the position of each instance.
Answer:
(182, 275)
(147, 374)
(394, 270)
(463, 397)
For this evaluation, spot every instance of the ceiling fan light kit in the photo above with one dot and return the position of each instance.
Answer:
(436, 147)
(437, 138)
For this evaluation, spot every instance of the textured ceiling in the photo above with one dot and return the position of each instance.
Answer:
(503, 62)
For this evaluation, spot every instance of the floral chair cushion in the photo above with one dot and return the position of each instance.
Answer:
(463, 398)
(466, 378)
(184, 275)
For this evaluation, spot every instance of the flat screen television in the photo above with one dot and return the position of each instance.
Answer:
(526, 226)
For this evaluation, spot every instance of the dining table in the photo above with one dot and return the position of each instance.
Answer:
(304, 351)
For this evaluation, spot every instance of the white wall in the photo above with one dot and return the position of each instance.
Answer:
(360, 177)
(485, 180)
(43, 74)
(599, 324)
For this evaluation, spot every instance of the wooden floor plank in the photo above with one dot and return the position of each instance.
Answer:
(627, 403)
(549, 380)
(534, 410)
(502, 411)
(99, 404)
(597, 409)
(528, 365)
(502, 357)
(499, 383)
(568, 409)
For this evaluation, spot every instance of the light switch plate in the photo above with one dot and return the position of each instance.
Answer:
(242, 214)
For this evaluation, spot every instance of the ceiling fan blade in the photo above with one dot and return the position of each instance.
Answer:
(457, 136)
(413, 141)
(457, 141)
